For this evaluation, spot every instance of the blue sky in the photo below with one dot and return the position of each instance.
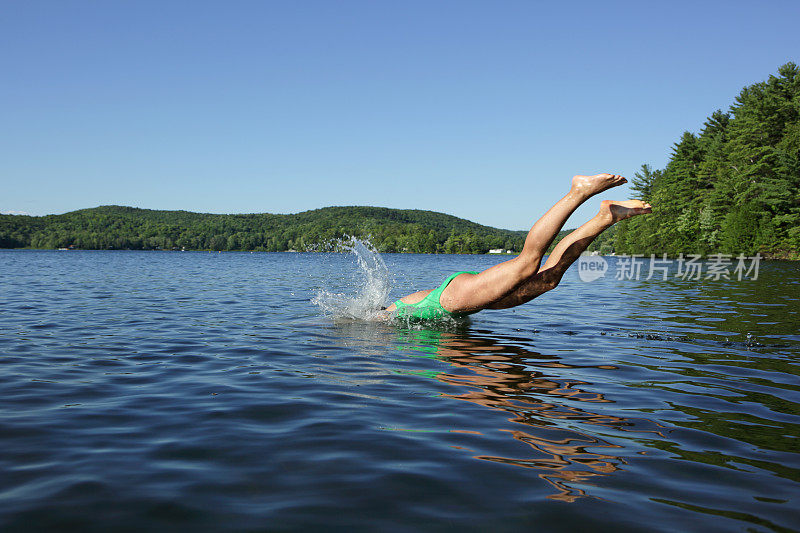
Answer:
(483, 110)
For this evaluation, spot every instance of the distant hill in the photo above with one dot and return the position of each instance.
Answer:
(119, 227)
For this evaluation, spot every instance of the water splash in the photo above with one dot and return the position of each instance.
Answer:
(370, 283)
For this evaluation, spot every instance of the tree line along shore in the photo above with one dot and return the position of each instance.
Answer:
(734, 187)
(128, 228)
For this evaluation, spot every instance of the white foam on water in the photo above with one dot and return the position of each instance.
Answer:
(370, 285)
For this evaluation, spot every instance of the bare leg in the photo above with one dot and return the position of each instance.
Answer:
(569, 249)
(471, 292)
(545, 229)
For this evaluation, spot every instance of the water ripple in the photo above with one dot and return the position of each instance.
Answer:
(202, 391)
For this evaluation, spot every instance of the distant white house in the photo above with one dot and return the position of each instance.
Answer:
(500, 251)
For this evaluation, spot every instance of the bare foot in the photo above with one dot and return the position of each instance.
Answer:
(616, 211)
(590, 185)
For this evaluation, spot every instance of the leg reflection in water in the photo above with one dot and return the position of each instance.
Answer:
(500, 376)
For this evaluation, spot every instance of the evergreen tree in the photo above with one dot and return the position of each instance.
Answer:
(734, 187)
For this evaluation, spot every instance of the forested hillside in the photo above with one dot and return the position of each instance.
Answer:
(732, 188)
(390, 230)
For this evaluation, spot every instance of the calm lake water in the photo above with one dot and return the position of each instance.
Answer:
(144, 391)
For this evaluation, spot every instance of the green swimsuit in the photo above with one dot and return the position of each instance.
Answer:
(429, 308)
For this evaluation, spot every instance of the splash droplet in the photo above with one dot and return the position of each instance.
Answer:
(371, 288)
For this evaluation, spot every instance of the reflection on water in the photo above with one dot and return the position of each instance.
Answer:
(583, 424)
(521, 382)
